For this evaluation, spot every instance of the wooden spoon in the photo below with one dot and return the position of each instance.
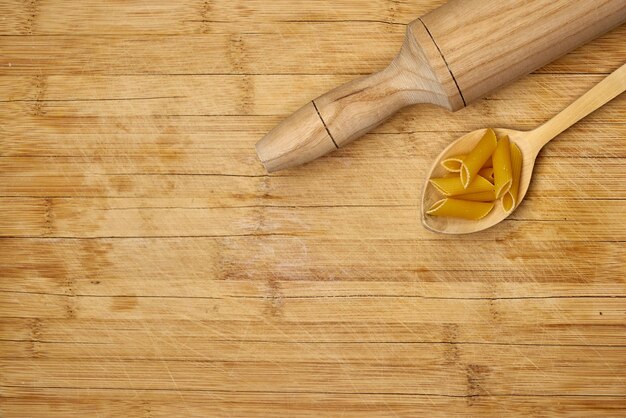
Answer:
(530, 143)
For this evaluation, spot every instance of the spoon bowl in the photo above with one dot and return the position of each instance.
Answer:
(529, 143)
(464, 145)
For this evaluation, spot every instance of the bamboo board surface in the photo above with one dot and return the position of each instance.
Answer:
(150, 267)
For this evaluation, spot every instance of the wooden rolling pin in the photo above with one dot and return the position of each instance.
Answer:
(450, 57)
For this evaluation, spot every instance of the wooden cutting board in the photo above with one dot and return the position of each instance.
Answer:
(150, 267)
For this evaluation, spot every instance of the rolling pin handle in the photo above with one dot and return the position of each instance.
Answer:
(300, 138)
(418, 74)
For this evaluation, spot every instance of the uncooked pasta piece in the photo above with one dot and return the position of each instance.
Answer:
(478, 197)
(502, 167)
(510, 199)
(451, 186)
(487, 173)
(475, 160)
(453, 164)
(460, 209)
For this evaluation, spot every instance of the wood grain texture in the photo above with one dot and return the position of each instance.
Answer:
(150, 267)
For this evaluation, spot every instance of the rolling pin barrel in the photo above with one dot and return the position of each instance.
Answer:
(450, 57)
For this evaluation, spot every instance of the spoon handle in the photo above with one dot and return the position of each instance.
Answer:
(603, 92)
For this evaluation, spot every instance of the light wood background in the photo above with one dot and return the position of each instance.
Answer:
(150, 267)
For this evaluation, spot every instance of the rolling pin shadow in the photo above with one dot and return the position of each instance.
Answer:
(450, 57)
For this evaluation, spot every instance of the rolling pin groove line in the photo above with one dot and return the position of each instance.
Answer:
(445, 61)
(324, 123)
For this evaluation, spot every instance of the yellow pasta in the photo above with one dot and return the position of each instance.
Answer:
(451, 186)
(502, 167)
(478, 197)
(460, 209)
(475, 160)
(487, 173)
(473, 182)
(453, 164)
(510, 199)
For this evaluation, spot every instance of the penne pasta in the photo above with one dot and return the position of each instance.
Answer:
(478, 197)
(487, 173)
(451, 186)
(476, 159)
(502, 167)
(473, 182)
(453, 164)
(460, 209)
(510, 199)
